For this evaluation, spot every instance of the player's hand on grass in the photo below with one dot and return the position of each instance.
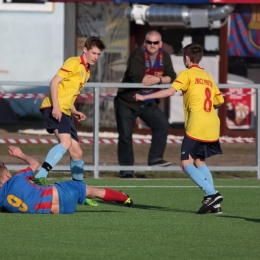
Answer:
(138, 97)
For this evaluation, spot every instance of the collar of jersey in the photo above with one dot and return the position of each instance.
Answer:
(82, 62)
(195, 66)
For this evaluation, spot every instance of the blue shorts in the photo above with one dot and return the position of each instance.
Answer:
(199, 149)
(65, 126)
(70, 194)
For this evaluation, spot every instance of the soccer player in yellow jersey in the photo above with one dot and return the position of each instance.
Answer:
(201, 97)
(58, 109)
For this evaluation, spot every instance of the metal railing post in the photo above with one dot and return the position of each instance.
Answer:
(95, 133)
(257, 132)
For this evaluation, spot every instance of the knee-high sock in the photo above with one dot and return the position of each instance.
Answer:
(77, 169)
(52, 158)
(112, 195)
(205, 171)
(199, 179)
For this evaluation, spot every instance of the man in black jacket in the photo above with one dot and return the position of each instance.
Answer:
(149, 65)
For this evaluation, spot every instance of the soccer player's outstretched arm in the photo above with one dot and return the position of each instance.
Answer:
(17, 153)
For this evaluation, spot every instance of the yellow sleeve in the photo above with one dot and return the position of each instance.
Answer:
(181, 82)
(68, 68)
(218, 98)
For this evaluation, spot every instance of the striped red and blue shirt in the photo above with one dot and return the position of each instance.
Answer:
(19, 195)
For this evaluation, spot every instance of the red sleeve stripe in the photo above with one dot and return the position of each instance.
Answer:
(219, 94)
(45, 107)
(47, 192)
(24, 170)
(65, 70)
(43, 205)
(177, 81)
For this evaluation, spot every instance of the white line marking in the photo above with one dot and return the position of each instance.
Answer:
(229, 187)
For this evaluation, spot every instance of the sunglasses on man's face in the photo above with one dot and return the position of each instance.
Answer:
(150, 42)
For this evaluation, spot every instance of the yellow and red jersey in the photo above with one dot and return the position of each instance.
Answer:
(200, 93)
(75, 73)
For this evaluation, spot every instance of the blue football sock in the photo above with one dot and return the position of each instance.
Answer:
(206, 172)
(199, 179)
(52, 158)
(77, 169)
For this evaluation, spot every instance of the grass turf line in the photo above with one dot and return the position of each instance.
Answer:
(163, 224)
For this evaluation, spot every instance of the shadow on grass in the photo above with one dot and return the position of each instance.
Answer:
(97, 211)
(257, 220)
(151, 207)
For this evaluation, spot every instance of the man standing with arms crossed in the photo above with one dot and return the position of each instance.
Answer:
(149, 65)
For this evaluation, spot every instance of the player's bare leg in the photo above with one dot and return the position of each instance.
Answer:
(109, 195)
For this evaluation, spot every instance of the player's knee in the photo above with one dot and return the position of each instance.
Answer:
(184, 163)
(199, 162)
(79, 153)
(66, 143)
(196, 164)
(93, 192)
(76, 154)
(89, 191)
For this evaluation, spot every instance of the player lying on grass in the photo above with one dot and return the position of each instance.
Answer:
(201, 97)
(18, 194)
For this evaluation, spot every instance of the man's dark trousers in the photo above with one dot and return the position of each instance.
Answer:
(126, 117)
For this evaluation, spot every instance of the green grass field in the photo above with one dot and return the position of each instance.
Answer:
(163, 224)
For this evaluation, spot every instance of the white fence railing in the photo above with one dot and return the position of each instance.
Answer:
(96, 168)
